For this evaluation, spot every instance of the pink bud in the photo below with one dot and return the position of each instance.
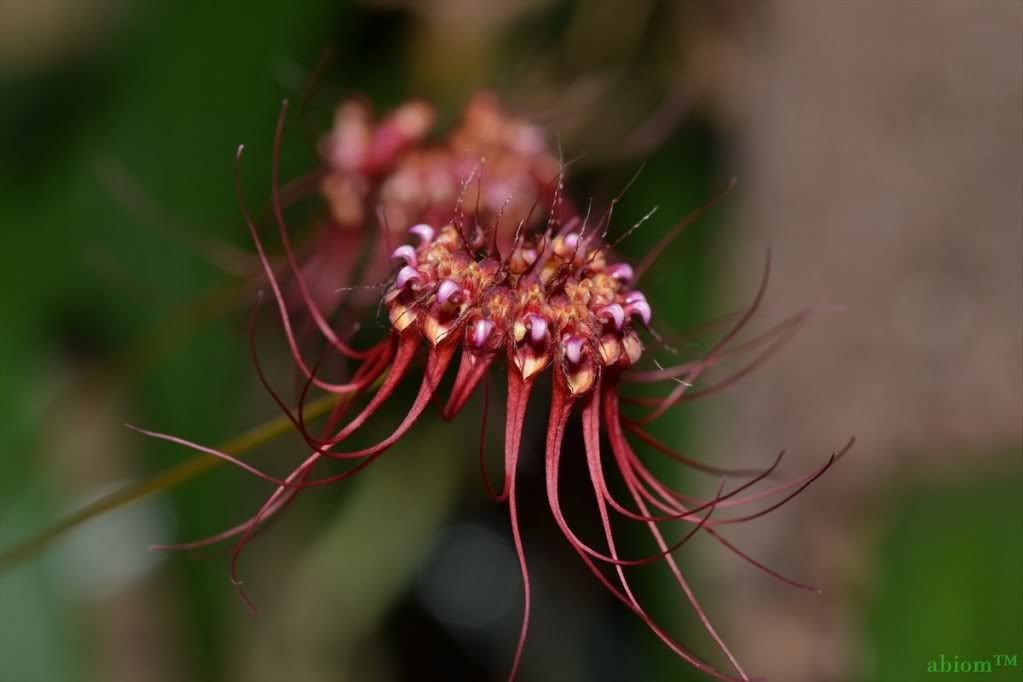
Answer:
(574, 349)
(449, 290)
(613, 312)
(481, 332)
(537, 328)
(407, 253)
(641, 308)
(634, 296)
(620, 271)
(424, 232)
(406, 275)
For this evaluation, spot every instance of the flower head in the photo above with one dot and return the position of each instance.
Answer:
(552, 301)
(538, 296)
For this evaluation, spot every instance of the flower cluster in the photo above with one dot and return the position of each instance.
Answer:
(388, 174)
(497, 280)
(387, 167)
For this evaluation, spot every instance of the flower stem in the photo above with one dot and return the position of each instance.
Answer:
(170, 478)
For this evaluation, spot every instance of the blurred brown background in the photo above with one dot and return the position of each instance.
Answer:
(882, 148)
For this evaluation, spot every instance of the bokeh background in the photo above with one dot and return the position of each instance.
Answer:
(879, 151)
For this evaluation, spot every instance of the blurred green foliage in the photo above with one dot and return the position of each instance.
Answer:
(949, 578)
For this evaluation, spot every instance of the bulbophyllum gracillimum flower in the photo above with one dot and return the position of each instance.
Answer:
(531, 300)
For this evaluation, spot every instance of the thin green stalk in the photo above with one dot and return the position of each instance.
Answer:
(166, 480)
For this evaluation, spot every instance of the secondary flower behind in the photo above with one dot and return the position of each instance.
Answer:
(487, 275)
